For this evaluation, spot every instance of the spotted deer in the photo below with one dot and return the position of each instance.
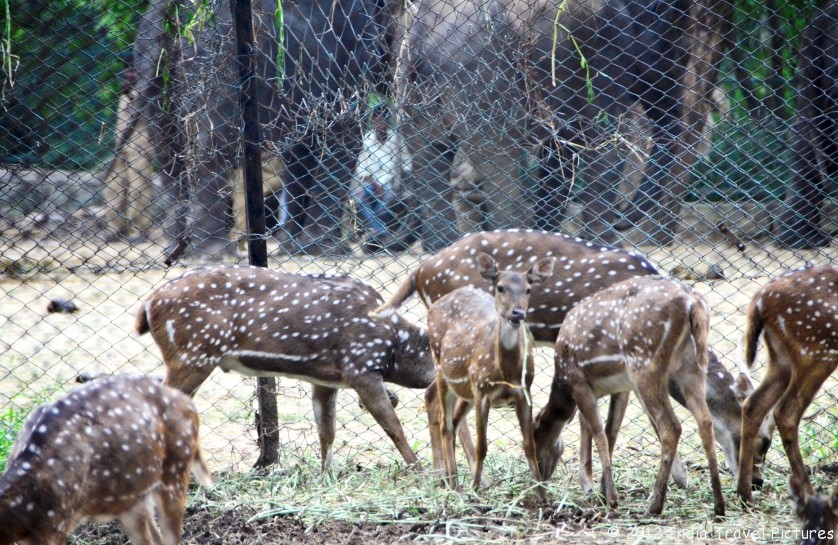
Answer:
(484, 357)
(314, 328)
(817, 513)
(582, 269)
(797, 315)
(725, 395)
(633, 336)
(113, 448)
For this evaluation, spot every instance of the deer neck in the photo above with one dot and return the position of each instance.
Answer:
(510, 350)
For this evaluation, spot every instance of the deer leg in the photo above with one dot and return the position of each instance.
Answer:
(523, 409)
(588, 409)
(447, 400)
(186, 378)
(481, 421)
(138, 523)
(754, 410)
(432, 407)
(789, 411)
(616, 413)
(678, 473)
(694, 394)
(171, 500)
(324, 400)
(654, 396)
(585, 473)
(373, 394)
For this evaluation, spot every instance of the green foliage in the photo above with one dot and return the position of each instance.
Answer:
(10, 422)
(746, 161)
(59, 101)
(12, 417)
(819, 438)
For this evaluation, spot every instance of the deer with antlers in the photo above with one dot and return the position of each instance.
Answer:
(582, 268)
(113, 448)
(817, 513)
(314, 328)
(633, 336)
(484, 357)
(797, 315)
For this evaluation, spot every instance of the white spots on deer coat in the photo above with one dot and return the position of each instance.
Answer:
(71, 463)
(310, 327)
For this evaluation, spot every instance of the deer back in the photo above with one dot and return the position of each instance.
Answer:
(257, 321)
(623, 327)
(95, 454)
(582, 268)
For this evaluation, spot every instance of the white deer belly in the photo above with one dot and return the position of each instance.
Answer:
(280, 365)
(612, 384)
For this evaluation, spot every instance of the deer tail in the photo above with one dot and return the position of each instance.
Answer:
(753, 329)
(141, 324)
(405, 290)
(700, 329)
(200, 470)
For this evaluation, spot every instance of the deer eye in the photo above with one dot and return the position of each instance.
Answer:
(500, 289)
(528, 291)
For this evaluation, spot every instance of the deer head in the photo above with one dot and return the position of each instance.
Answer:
(817, 513)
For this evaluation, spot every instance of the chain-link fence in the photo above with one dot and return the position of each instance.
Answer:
(699, 134)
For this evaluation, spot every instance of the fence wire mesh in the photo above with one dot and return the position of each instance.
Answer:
(700, 134)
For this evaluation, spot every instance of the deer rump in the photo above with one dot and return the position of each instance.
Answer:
(113, 448)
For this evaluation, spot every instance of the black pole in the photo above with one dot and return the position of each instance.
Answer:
(257, 250)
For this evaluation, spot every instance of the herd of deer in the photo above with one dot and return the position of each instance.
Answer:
(121, 446)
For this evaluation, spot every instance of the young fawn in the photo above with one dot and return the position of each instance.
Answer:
(313, 328)
(817, 513)
(582, 269)
(484, 357)
(112, 448)
(632, 336)
(797, 315)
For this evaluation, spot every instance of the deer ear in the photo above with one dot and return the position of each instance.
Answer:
(541, 270)
(743, 387)
(487, 266)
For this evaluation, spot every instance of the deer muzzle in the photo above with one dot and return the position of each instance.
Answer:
(516, 318)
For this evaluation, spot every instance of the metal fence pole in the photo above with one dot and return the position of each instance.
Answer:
(266, 418)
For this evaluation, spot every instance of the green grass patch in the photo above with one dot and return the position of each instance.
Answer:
(12, 416)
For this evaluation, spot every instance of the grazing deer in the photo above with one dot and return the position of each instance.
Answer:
(112, 448)
(818, 514)
(269, 323)
(797, 314)
(582, 269)
(633, 336)
(484, 357)
(725, 395)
